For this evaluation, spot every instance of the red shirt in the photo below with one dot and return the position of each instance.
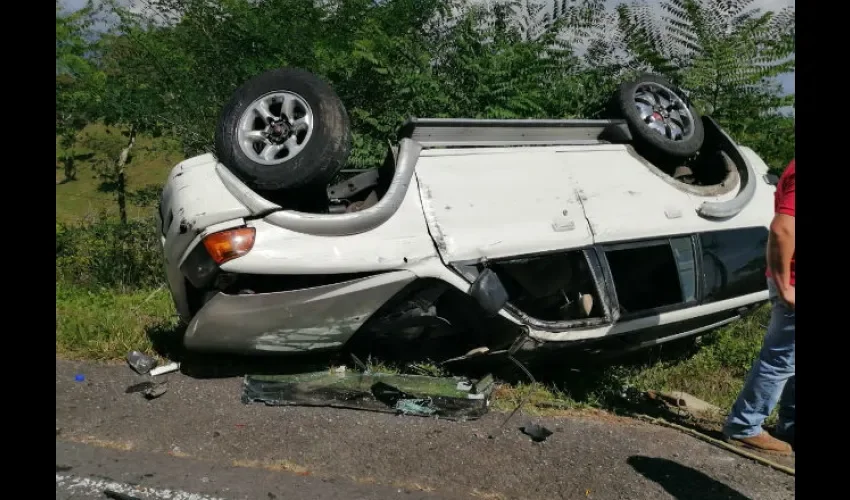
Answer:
(784, 203)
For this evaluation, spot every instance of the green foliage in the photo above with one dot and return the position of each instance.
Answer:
(171, 68)
(771, 135)
(145, 196)
(711, 47)
(724, 53)
(77, 80)
(716, 371)
(105, 324)
(105, 149)
(103, 253)
(91, 193)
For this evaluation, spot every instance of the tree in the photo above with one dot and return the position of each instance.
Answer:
(726, 54)
(109, 161)
(717, 49)
(77, 81)
(128, 104)
(175, 66)
(123, 95)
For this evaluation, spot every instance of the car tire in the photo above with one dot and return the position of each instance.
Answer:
(284, 129)
(674, 131)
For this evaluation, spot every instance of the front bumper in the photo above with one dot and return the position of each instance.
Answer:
(310, 319)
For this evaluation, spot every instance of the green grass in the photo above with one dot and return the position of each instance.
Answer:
(713, 371)
(716, 372)
(151, 160)
(537, 399)
(106, 325)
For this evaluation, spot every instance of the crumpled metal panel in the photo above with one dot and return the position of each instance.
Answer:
(311, 319)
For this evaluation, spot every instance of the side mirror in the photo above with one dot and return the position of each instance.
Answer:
(489, 292)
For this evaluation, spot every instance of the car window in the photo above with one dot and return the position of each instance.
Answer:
(683, 251)
(552, 287)
(733, 262)
(654, 274)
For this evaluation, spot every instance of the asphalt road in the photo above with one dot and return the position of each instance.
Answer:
(199, 442)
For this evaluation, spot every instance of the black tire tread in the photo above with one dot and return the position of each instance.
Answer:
(646, 137)
(322, 158)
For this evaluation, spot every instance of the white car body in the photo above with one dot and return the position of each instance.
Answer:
(463, 193)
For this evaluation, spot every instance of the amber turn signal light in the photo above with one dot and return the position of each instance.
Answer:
(228, 245)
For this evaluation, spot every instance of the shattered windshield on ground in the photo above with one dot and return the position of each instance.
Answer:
(453, 398)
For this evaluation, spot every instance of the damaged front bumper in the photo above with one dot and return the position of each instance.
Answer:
(311, 319)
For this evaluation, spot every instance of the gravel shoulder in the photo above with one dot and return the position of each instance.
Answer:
(199, 428)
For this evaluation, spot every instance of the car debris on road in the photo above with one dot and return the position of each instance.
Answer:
(150, 390)
(146, 366)
(536, 432)
(451, 398)
(162, 370)
(115, 495)
(141, 363)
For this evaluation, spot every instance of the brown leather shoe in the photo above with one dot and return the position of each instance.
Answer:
(763, 442)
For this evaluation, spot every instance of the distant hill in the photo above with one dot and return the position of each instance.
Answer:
(151, 160)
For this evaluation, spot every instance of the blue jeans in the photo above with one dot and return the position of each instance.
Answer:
(771, 379)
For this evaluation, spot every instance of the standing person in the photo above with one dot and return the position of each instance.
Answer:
(772, 377)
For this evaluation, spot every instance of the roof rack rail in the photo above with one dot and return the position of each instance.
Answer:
(469, 132)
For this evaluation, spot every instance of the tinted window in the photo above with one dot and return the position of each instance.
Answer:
(651, 276)
(683, 250)
(733, 262)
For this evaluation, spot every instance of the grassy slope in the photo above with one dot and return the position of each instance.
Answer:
(107, 324)
(715, 372)
(151, 160)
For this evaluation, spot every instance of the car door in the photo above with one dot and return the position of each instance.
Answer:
(552, 291)
(518, 210)
(670, 287)
(652, 276)
(500, 202)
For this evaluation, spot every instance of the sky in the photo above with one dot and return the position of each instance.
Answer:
(787, 80)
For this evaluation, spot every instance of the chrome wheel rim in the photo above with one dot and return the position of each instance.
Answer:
(663, 111)
(275, 128)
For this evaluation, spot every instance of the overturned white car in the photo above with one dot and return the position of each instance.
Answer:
(473, 234)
